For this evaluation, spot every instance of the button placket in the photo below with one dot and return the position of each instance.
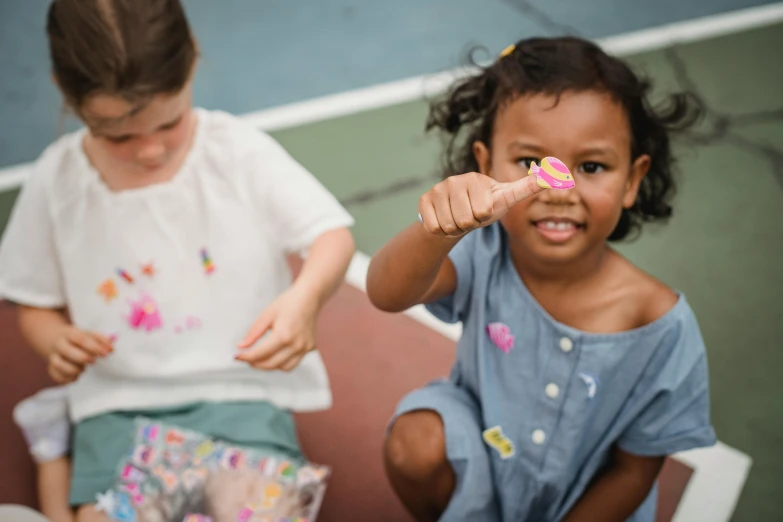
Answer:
(552, 396)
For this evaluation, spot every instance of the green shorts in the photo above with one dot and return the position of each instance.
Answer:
(101, 442)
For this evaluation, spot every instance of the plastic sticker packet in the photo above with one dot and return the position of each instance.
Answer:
(176, 475)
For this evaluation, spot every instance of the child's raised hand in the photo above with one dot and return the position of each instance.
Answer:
(291, 322)
(72, 351)
(459, 204)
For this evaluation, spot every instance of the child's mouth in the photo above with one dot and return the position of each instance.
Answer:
(557, 230)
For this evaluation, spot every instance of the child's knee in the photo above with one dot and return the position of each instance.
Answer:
(416, 446)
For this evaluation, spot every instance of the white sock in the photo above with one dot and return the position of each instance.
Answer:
(45, 424)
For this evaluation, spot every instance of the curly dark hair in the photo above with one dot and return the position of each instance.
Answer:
(554, 66)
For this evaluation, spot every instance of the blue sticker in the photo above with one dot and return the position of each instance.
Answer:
(123, 509)
(591, 383)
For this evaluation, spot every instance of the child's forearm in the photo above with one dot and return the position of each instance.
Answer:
(403, 271)
(41, 328)
(327, 261)
(618, 492)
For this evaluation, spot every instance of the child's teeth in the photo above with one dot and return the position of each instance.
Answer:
(552, 225)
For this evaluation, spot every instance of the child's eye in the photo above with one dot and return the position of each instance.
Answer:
(172, 124)
(591, 167)
(117, 139)
(527, 162)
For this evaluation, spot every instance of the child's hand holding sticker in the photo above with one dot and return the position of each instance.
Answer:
(462, 203)
(290, 321)
(466, 202)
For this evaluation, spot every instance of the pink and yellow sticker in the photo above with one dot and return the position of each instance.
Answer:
(553, 174)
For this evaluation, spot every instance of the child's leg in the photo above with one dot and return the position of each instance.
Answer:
(54, 480)
(43, 419)
(415, 458)
(436, 458)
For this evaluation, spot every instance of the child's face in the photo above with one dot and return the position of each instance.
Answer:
(589, 132)
(141, 141)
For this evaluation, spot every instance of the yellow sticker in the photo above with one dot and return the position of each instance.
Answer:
(494, 437)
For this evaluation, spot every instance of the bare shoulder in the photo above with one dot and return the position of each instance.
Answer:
(648, 297)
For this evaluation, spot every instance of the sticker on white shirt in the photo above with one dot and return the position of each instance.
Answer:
(108, 290)
(125, 275)
(191, 322)
(148, 269)
(145, 314)
(209, 266)
(494, 438)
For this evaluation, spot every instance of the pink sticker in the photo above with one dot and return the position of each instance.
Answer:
(244, 514)
(552, 173)
(150, 432)
(501, 336)
(131, 473)
(192, 322)
(145, 314)
(134, 490)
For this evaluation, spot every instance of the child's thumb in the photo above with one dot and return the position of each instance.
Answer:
(512, 193)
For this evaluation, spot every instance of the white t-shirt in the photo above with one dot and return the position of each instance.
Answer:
(175, 272)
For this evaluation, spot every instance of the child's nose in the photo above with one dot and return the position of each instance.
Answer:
(559, 197)
(150, 152)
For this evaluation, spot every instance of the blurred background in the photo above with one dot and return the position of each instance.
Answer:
(342, 84)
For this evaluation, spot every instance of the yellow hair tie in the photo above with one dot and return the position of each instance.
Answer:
(508, 50)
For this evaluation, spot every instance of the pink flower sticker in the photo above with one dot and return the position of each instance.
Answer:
(145, 314)
(500, 335)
